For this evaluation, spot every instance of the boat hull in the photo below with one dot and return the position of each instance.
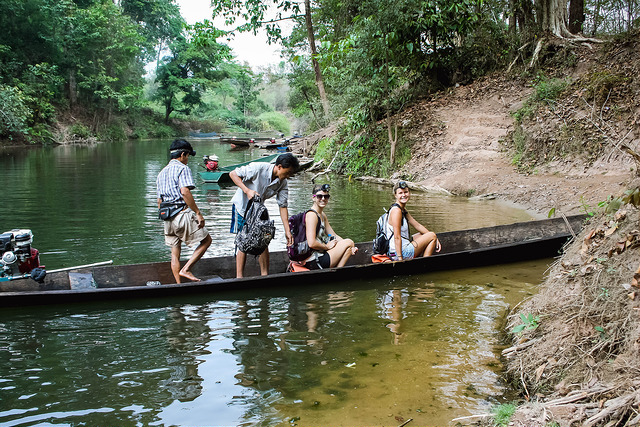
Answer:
(461, 249)
(222, 174)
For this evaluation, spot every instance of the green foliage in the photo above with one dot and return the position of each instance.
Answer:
(545, 92)
(632, 196)
(112, 132)
(529, 322)
(364, 155)
(191, 67)
(275, 121)
(584, 207)
(14, 112)
(603, 334)
(503, 413)
(79, 130)
(519, 144)
(158, 22)
(611, 205)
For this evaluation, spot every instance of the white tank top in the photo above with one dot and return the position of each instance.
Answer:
(404, 232)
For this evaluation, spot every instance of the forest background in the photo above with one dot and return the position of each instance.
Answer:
(114, 69)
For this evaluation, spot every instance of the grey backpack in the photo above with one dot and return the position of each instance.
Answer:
(258, 229)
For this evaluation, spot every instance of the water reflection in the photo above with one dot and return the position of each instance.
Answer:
(369, 353)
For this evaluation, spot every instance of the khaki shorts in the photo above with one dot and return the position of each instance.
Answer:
(184, 228)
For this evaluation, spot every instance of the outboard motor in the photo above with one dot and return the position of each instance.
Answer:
(17, 258)
(210, 162)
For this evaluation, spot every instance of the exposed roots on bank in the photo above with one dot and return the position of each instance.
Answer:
(576, 358)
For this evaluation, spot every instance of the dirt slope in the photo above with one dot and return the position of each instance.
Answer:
(459, 148)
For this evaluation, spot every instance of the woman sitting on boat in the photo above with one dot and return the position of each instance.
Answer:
(401, 244)
(329, 249)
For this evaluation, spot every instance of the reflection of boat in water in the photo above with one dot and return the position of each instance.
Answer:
(460, 249)
(203, 135)
(222, 173)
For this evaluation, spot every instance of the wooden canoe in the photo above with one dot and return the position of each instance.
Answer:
(460, 249)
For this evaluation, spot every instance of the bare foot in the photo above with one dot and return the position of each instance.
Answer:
(189, 275)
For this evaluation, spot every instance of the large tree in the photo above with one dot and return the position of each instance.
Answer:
(193, 64)
(255, 12)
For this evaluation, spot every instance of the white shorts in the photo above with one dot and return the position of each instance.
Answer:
(184, 228)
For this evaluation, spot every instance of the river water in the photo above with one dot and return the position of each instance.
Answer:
(375, 352)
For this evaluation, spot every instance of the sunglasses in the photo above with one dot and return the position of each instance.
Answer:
(322, 196)
(403, 185)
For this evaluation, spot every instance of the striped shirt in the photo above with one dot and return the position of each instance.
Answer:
(171, 179)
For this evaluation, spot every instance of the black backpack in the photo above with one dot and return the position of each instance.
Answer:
(258, 229)
(300, 249)
(381, 241)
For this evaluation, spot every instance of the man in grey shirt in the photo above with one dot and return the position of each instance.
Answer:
(265, 180)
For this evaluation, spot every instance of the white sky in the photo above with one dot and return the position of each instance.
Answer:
(246, 47)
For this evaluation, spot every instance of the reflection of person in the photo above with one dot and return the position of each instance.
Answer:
(265, 180)
(329, 249)
(174, 184)
(394, 309)
(401, 244)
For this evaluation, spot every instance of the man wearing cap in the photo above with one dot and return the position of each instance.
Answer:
(174, 185)
(264, 180)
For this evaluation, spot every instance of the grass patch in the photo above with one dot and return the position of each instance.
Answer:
(503, 413)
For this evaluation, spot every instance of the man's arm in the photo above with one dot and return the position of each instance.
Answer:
(284, 214)
(190, 201)
(238, 181)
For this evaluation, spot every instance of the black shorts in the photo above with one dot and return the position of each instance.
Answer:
(323, 261)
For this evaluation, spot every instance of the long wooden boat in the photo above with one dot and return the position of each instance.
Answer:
(460, 249)
(222, 173)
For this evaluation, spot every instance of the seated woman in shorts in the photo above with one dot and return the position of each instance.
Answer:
(329, 249)
(401, 244)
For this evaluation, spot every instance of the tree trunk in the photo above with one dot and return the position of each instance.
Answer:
(392, 130)
(73, 90)
(316, 67)
(596, 17)
(576, 16)
(168, 109)
(512, 18)
(554, 18)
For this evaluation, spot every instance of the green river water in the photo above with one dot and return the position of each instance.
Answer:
(375, 352)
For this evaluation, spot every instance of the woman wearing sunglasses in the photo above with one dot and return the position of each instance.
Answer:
(401, 244)
(330, 250)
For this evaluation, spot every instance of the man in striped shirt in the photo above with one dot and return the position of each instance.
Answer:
(174, 186)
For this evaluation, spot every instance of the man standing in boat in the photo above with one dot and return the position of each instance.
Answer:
(174, 184)
(265, 180)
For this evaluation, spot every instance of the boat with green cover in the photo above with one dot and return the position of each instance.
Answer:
(222, 173)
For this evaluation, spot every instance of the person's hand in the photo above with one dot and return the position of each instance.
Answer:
(332, 244)
(200, 219)
(289, 238)
(354, 250)
(251, 193)
(438, 246)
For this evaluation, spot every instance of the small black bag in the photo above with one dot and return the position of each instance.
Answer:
(258, 229)
(170, 209)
